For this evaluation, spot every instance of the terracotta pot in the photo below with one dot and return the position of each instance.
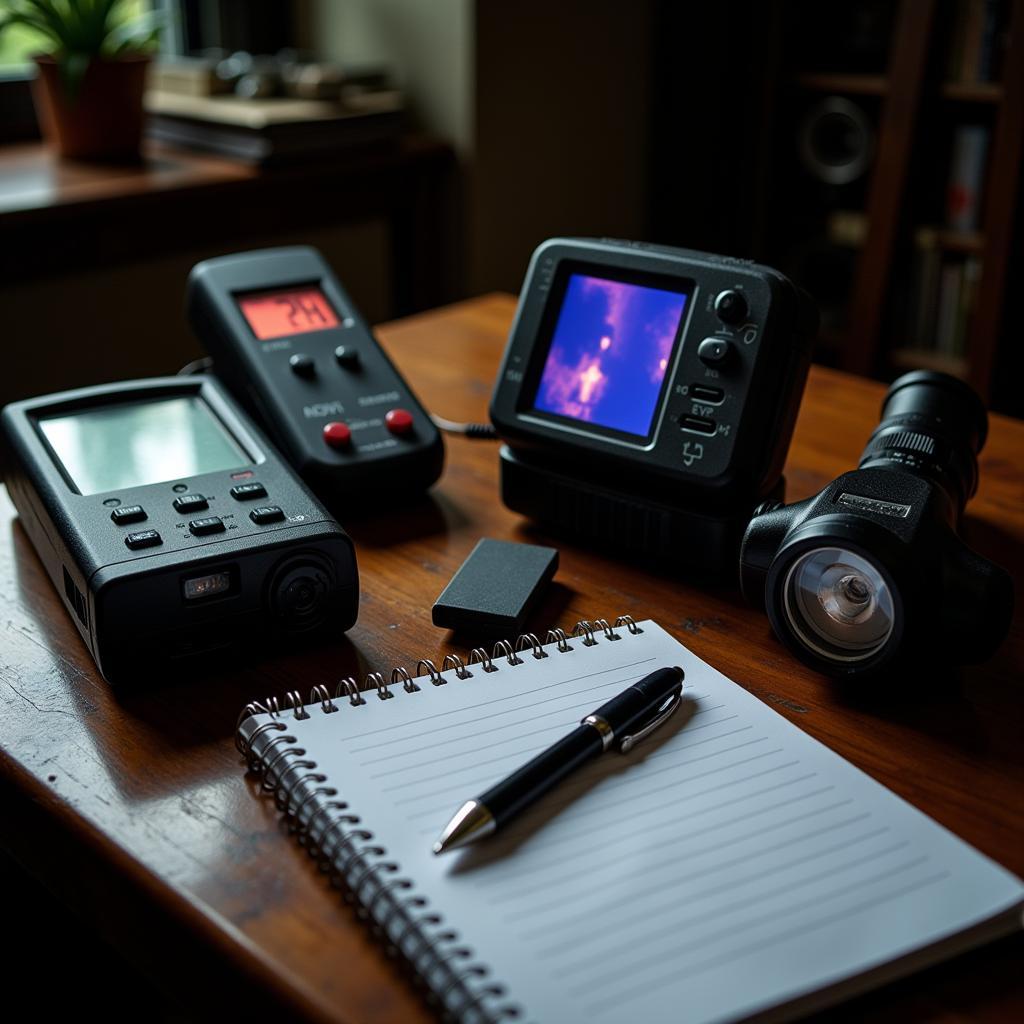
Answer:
(104, 121)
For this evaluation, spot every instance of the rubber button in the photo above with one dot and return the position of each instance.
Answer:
(209, 524)
(247, 492)
(266, 514)
(128, 514)
(191, 503)
(145, 539)
(337, 435)
(347, 356)
(714, 351)
(398, 421)
(302, 365)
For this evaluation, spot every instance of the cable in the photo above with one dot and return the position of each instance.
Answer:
(200, 365)
(474, 431)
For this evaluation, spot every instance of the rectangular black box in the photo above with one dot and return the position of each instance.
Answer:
(496, 587)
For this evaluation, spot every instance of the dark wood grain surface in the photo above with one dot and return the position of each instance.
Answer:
(136, 809)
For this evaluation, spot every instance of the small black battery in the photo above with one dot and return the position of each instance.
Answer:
(496, 588)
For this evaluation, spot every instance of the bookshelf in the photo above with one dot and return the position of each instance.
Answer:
(849, 84)
(905, 279)
(973, 92)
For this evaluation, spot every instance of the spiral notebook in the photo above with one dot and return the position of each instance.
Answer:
(729, 867)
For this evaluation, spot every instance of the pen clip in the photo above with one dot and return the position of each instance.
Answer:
(664, 713)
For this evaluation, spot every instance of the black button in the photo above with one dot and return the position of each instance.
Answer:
(347, 356)
(266, 514)
(209, 524)
(698, 425)
(246, 492)
(705, 393)
(303, 365)
(713, 351)
(128, 514)
(731, 307)
(145, 539)
(191, 503)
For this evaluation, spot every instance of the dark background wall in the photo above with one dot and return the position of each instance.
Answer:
(650, 119)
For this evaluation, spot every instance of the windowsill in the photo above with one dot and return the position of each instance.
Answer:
(33, 178)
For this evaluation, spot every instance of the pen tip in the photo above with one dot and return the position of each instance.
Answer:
(472, 821)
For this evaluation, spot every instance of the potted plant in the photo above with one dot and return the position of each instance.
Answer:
(88, 92)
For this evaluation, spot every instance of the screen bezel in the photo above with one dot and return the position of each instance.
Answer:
(197, 388)
(247, 293)
(525, 407)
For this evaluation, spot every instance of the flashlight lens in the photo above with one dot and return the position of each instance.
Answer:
(838, 604)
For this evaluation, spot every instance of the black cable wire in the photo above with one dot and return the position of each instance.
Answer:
(201, 365)
(474, 431)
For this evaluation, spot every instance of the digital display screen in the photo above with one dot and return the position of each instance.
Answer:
(610, 349)
(281, 312)
(133, 443)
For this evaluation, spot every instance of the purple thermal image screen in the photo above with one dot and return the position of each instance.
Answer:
(609, 353)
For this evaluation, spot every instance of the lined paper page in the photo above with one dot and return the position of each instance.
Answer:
(728, 865)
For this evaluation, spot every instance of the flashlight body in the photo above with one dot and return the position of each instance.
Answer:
(899, 513)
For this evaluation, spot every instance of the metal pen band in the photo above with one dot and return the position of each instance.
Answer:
(604, 729)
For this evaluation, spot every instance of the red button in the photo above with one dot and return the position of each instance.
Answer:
(398, 421)
(337, 435)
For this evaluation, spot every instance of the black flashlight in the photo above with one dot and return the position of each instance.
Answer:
(871, 569)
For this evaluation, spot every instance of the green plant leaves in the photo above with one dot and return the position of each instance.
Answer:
(81, 30)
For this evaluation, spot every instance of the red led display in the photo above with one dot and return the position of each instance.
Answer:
(279, 313)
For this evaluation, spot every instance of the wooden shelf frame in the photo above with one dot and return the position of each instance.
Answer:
(910, 52)
(851, 84)
(908, 57)
(1002, 192)
(973, 92)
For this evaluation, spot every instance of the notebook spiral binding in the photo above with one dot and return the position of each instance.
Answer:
(329, 828)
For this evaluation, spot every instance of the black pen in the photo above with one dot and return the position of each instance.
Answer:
(624, 720)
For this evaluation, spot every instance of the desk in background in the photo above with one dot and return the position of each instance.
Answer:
(135, 809)
(121, 239)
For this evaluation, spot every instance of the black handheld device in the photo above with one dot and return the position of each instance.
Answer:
(291, 346)
(170, 526)
(648, 395)
(871, 573)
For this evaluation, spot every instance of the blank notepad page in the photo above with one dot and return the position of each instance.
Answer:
(730, 864)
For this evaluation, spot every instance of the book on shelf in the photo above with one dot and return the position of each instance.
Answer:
(988, 50)
(966, 176)
(968, 292)
(943, 288)
(947, 316)
(974, 41)
(926, 269)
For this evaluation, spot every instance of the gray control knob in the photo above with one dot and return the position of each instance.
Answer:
(731, 307)
(714, 351)
(302, 365)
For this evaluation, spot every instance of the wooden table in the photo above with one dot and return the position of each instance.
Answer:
(136, 808)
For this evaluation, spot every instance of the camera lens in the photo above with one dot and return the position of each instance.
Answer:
(300, 593)
(838, 604)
